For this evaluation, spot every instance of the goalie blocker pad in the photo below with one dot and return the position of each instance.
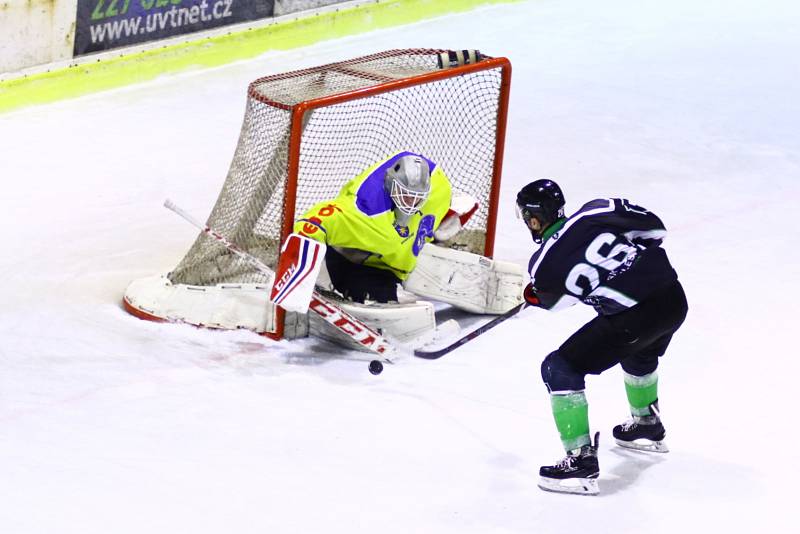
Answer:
(468, 281)
(298, 267)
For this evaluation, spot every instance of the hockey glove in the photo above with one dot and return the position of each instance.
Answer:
(462, 207)
(298, 266)
(529, 293)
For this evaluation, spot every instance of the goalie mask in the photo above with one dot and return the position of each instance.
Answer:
(408, 183)
(542, 200)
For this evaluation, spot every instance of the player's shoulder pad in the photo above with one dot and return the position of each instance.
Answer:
(598, 204)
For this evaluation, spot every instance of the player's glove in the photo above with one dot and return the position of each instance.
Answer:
(529, 294)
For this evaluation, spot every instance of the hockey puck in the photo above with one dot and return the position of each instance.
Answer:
(375, 367)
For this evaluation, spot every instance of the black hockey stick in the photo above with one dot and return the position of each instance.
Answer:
(438, 353)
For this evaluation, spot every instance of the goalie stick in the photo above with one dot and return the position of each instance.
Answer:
(354, 328)
(438, 353)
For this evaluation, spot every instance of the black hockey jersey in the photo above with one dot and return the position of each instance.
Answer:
(607, 255)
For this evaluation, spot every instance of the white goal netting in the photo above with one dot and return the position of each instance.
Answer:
(354, 118)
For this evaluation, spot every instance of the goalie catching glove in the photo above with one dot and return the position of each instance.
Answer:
(296, 274)
(462, 207)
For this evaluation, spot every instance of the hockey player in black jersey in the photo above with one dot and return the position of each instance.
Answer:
(608, 255)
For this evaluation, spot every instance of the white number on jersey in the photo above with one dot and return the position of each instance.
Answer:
(584, 279)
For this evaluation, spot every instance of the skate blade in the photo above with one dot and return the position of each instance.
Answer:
(644, 445)
(576, 486)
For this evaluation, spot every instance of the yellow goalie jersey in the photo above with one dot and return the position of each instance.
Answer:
(362, 218)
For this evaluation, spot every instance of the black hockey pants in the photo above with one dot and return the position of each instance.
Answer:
(636, 338)
(360, 282)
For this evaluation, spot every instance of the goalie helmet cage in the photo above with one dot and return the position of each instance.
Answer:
(304, 135)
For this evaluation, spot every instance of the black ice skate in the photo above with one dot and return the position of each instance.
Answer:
(576, 473)
(643, 433)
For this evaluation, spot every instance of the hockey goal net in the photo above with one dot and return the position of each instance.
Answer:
(305, 133)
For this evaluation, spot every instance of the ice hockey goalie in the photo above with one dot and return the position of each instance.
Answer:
(378, 235)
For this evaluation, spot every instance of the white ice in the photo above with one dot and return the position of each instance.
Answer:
(109, 424)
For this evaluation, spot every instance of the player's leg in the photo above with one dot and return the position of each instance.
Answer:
(644, 430)
(598, 345)
(467, 281)
(370, 294)
(638, 336)
(666, 312)
(578, 471)
(564, 372)
(359, 282)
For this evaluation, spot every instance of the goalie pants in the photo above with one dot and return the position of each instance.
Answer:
(360, 282)
(635, 338)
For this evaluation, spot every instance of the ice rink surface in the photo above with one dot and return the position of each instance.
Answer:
(109, 424)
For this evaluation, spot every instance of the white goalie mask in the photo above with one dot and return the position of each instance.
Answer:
(408, 183)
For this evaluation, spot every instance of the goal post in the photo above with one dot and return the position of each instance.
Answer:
(306, 133)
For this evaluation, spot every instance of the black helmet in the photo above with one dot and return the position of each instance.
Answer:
(542, 199)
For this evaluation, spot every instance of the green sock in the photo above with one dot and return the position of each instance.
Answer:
(571, 412)
(642, 391)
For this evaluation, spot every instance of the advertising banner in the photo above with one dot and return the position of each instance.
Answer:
(108, 24)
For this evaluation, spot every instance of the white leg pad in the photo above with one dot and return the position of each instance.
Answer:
(411, 323)
(467, 281)
(227, 306)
